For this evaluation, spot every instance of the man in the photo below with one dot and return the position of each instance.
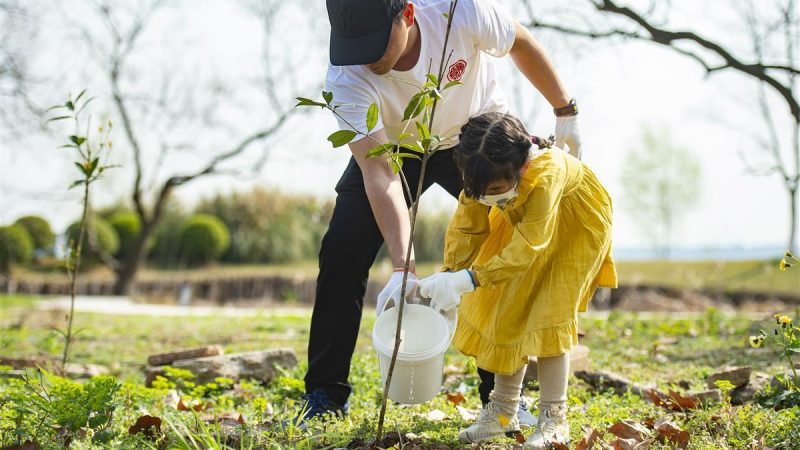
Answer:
(379, 50)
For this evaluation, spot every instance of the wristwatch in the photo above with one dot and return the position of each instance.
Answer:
(571, 109)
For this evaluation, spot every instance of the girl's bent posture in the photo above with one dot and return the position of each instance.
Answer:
(529, 244)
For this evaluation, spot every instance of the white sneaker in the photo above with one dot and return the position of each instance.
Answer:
(490, 424)
(526, 419)
(552, 428)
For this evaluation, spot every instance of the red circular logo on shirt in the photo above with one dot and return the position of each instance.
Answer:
(456, 70)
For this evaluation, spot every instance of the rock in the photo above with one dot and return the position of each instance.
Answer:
(603, 380)
(710, 396)
(258, 365)
(200, 352)
(738, 376)
(745, 394)
(77, 370)
(578, 361)
(778, 382)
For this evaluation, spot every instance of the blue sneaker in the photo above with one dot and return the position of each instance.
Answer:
(319, 404)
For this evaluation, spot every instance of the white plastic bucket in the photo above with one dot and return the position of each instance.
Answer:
(425, 336)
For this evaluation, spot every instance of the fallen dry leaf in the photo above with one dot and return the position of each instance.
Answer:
(150, 426)
(671, 432)
(589, 439)
(628, 429)
(684, 402)
(436, 415)
(27, 445)
(456, 398)
(467, 415)
(520, 438)
(630, 444)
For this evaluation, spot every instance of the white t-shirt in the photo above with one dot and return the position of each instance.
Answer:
(479, 26)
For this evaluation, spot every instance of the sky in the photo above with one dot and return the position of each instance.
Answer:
(620, 87)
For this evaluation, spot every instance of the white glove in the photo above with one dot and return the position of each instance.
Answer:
(567, 133)
(445, 289)
(392, 289)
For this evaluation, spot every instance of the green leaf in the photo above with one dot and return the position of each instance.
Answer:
(434, 93)
(414, 147)
(372, 116)
(302, 101)
(82, 168)
(58, 118)
(328, 96)
(415, 106)
(408, 155)
(80, 95)
(76, 183)
(451, 84)
(77, 140)
(423, 131)
(341, 137)
(396, 164)
(446, 15)
(403, 136)
(93, 167)
(378, 150)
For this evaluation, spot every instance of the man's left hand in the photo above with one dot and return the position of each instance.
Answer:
(567, 133)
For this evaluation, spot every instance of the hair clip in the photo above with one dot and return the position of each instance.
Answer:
(543, 143)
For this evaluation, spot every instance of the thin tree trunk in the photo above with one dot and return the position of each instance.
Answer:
(792, 245)
(128, 267)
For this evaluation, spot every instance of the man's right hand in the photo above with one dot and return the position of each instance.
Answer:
(392, 290)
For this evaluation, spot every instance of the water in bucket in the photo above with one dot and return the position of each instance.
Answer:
(424, 338)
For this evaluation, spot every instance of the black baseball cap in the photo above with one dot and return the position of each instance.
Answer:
(360, 29)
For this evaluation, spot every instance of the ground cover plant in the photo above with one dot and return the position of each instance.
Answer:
(673, 353)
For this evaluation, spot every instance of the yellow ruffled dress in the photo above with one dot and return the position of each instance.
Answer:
(538, 261)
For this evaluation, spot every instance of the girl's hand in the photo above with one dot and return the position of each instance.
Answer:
(445, 289)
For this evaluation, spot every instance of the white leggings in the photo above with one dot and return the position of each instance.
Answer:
(553, 378)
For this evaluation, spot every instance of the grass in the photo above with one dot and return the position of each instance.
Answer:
(621, 342)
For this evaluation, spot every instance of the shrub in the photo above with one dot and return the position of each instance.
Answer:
(104, 235)
(268, 226)
(128, 227)
(16, 246)
(203, 238)
(40, 232)
(166, 238)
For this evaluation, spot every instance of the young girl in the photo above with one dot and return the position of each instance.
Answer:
(529, 264)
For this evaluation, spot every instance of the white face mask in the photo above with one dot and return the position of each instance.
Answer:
(499, 200)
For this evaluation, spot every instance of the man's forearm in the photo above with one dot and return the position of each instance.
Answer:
(531, 59)
(389, 208)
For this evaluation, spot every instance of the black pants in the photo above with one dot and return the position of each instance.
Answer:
(347, 253)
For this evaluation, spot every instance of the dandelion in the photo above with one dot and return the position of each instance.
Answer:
(783, 265)
(784, 320)
(756, 341)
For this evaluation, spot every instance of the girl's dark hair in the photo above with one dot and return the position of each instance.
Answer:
(493, 146)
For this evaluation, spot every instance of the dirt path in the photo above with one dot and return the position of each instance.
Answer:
(126, 306)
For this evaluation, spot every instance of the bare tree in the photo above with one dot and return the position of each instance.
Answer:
(776, 73)
(184, 112)
(18, 34)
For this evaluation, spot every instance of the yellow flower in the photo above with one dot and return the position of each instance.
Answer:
(785, 320)
(783, 265)
(756, 341)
